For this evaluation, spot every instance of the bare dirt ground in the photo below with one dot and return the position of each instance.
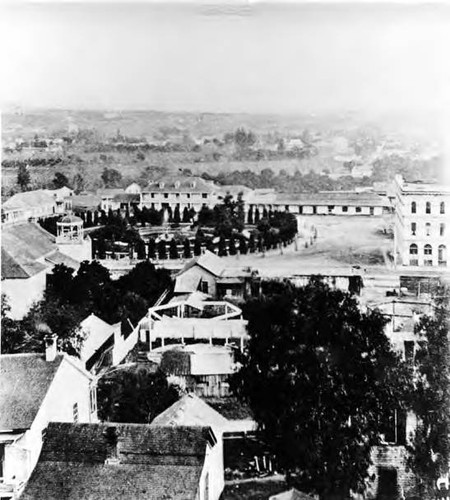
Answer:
(342, 242)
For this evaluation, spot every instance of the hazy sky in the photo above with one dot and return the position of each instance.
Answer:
(284, 58)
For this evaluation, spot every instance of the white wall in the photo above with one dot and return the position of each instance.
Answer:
(122, 346)
(70, 385)
(22, 293)
(213, 472)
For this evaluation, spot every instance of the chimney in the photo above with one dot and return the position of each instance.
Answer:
(50, 347)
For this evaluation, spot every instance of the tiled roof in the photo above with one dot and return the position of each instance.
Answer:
(29, 199)
(97, 481)
(231, 408)
(127, 198)
(136, 443)
(22, 245)
(24, 382)
(151, 463)
(333, 198)
(181, 185)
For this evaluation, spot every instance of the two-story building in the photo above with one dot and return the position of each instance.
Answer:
(421, 235)
(181, 192)
(36, 389)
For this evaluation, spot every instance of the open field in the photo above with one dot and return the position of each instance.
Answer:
(342, 242)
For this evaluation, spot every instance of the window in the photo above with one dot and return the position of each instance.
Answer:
(427, 262)
(409, 351)
(345, 209)
(177, 195)
(413, 228)
(394, 427)
(413, 262)
(427, 229)
(371, 211)
(428, 250)
(413, 207)
(358, 210)
(204, 286)
(188, 195)
(442, 255)
(330, 209)
(152, 195)
(441, 229)
(428, 207)
(204, 195)
(75, 412)
(413, 250)
(166, 195)
(442, 208)
(2, 458)
(93, 399)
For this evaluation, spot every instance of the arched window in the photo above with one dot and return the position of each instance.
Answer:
(442, 207)
(427, 250)
(428, 207)
(427, 229)
(442, 255)
(413, 207)
(413, 249)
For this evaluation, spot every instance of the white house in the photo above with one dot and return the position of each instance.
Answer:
(29, 253)
(37, 389)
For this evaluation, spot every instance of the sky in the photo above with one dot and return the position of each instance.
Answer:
(275, 58)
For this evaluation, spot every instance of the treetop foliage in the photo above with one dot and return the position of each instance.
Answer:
(320, 375)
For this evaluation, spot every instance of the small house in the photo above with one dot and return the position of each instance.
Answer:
(36, 389)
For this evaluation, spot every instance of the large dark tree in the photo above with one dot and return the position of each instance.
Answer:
(59, 181)
(134, 396)
(23, 177)
(320, 376)
(146, 281)
(111, 177)
(430, 450)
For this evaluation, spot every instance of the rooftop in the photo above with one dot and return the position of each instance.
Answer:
(22, 245)
(191, 410)
(29, 199)
(181, 184)
(149, 462)
(24, 382)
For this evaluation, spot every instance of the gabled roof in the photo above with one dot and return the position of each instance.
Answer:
(135, 443)
(29, 199)
(24, 382)
(180, 184)
(97, 481)
(191, 410)
(22, 246)
(208, 261)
